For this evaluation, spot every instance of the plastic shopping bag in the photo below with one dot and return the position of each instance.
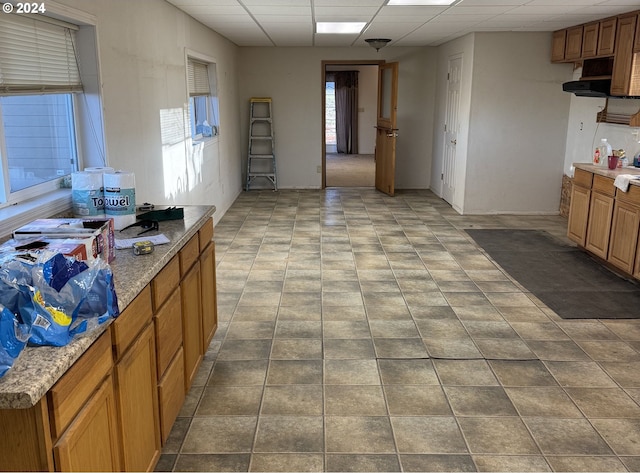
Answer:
(68, 297)
(13, 338)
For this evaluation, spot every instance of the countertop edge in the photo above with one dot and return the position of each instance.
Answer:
(610, 173)
(24, 384)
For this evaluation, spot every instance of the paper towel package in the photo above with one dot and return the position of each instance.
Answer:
(87, 195)
(120, 198)
(96, 234)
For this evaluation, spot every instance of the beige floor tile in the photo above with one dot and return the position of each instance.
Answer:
(351, 434)
(289, 434)
(284, 462)
(465, 373)
(511, 463)
(362, 462)
(560, 436)
(427, 434)
(497, 435)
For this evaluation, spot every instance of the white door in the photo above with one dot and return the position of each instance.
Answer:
(451, 128)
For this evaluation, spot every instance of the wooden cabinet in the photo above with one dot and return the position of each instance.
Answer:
(626, 62)
(191, 322)
(636, 43)
(579, 214)
(208, 290)
(600, 215)
(83, 415)
(624, 235)
(590, 39)
(91, 442)
(117, 403)
(136, 390)
(557, 45)
(607, 37)
(573, 45)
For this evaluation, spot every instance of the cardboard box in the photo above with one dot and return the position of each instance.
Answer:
(68, 247)
(97, 234)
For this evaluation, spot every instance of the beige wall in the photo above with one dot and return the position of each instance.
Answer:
(293, 78)
(142, 51)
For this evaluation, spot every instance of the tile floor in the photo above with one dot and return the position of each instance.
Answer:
(360, 332)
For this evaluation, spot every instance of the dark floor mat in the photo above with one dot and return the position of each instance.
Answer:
(565, 278)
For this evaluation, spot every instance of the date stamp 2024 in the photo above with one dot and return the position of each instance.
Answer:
(28, 7)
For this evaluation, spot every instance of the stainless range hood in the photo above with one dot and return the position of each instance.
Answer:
(588, 88)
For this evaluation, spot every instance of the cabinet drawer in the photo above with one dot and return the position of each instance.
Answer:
(205, 234)
(165, 282)
(131, 322)
(604, 185)
(70, 393)
(171, 394)
(189, 254)
(168, 330)
(632, 195)
(583, 178)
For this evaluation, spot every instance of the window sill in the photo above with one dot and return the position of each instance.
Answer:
(206, 141)
(45, 206)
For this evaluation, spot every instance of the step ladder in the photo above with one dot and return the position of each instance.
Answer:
(261, 158)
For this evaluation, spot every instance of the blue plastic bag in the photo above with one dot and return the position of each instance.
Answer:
(13, 338)
(68, 297)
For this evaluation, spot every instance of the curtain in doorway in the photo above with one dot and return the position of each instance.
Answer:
(346, 111)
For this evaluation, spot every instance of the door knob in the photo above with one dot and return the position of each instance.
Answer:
(454, 142)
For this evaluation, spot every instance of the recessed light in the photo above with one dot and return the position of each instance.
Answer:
(420, 2)
(340, 27)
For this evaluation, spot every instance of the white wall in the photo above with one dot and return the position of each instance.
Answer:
(293, 78)
(584, 133)
(142, 47)
(518, 125)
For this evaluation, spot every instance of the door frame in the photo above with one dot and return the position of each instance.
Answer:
(325, 63)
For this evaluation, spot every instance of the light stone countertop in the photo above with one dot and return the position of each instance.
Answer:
(611, 173)
(37, 369)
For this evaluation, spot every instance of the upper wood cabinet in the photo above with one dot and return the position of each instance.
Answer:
(636, 44)
(557, 45)
(625, 63)
(573, 45)
(607, 37)
(590, 34)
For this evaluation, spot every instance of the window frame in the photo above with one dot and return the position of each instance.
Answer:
(7, 196)
(89, 125)
(213, 110)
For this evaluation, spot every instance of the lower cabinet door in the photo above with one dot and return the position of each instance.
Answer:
(209, 303)
(599, 227)
(578, 215)
(191, 323)
(624, 236)
(137, 393)
(171, 394)
(90, 443)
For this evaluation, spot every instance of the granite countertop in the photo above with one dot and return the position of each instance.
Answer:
(38, 368)
(611, 173)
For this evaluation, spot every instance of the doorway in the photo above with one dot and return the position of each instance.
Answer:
(349, 123)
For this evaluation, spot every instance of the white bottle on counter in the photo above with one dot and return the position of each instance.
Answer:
(605, 151)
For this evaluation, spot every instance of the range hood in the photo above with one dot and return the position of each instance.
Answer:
(588, 88)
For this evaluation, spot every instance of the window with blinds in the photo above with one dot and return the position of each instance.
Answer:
(37, 56)
(203, 100)
(39, 76)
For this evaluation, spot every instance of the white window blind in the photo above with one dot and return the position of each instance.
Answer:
(198, 75)
(37, 57)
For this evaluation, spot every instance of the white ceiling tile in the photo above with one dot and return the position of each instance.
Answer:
(411, 11)
(214, 10)
(279, 10)
(300, 19)
(352, 3)
(276, 3)
(289, 22)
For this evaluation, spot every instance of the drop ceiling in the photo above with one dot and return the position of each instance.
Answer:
(285, 23)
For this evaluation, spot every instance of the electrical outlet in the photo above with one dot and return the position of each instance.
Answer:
(60, 172)
(319, 169)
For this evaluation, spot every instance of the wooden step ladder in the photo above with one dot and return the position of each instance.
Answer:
(261, 158)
